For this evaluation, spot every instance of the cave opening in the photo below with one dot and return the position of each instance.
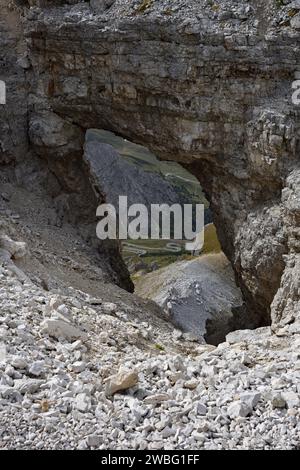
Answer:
(198, 294)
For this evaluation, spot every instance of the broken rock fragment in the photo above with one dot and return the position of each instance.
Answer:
(123, 380)
(17, 250)
(239, 409)
(61, 329)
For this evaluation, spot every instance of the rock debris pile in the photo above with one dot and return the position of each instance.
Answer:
(79, 373)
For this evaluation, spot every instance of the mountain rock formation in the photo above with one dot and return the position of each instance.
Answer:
(207, 86)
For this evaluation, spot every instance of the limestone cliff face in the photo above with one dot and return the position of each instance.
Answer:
(13, 71)
(64, 177)
(208, 86)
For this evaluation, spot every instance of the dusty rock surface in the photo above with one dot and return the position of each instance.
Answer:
(199, 296)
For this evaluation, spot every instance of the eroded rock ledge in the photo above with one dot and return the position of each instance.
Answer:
(210, 88)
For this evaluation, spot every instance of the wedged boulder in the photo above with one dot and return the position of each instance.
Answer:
(200, 296)
(114, 175)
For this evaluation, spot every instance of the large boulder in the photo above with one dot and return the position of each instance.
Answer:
(200, 296)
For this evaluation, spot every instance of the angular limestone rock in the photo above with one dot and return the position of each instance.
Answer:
(123, 380)
(17, 250)
(239, 410)
(156, 399)
(60, 329)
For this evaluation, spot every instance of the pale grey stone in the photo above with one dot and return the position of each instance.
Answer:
(291, 399)
(238, 410)
(37, 368)
(201, 409)
(250, 399)
(82, 402)
(28, 385)
(60, 329)
(295, 22)
(18, 362)
(278, 401)
(93, 440)
(156, 398)
(78, 366)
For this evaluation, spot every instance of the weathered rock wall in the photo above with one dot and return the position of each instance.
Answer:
(13, 71)
(60, 172)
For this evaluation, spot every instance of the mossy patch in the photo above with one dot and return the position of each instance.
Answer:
(145, 5)
(292, 13)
